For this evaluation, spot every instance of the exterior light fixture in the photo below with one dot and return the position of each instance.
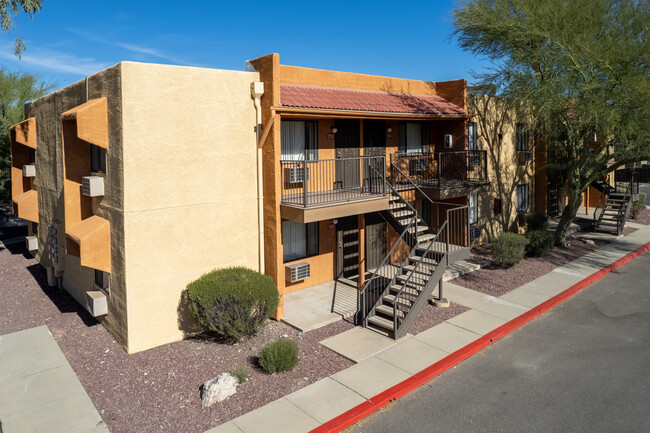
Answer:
(335, 221)
(334, 131)
(389, 129)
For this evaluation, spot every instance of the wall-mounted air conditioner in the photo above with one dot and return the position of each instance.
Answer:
(29, 170)
(525, 157)
(448, 141)
(296, 174)
(31, 242)
(297, 271)
(96, 303)
(92, 186)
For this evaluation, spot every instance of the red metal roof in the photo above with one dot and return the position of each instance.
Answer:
(331, 98)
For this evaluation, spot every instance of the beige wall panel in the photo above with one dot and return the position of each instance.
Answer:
(191, 170)
(77, 279)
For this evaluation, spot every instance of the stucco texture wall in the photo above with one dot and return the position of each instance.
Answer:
(496, 123)
(77, 279)
(191, 202)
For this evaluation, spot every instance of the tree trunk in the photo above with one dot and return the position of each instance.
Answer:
(574, 196)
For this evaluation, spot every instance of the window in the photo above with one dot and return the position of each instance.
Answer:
(522, 198)
(299, 140)
(497, 206)
(97, 159)
(413, 138)
(522, 138)
(102, 279)
(471, 132)
(34, 228)
(299, 240)
(473, 208)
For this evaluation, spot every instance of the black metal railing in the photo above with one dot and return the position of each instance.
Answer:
(322, 181)
(441, 169)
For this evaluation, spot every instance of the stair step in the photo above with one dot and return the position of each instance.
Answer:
(415, 281)
(397, 206)
(387, 310)
(402, 214)
(390, 298)
(426, 237)
(381, 322)
(421, 228)
(424, 269)
(427, 260)
(409, 290)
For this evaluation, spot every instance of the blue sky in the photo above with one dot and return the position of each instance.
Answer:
(70, 39)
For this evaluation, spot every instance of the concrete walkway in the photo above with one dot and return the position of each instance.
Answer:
(393, 362)
(39, 391)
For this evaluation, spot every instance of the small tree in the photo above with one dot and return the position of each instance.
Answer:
(11, 8)
(16, 89)
(579, 68)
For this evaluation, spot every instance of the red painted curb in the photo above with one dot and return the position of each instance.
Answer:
(366, 408)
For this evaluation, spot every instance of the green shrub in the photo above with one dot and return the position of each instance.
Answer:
(508, 249)
(536, 221)
(241, 373)
(540, 243)
(642, 197)
(279, 356)
(232, 303)
(637, 207)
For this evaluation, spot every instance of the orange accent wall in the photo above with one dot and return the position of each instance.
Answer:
(87, 235)
(23, 189)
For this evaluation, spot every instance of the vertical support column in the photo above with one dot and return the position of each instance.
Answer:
(361, 222)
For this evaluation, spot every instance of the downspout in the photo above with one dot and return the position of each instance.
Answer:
(257, 90)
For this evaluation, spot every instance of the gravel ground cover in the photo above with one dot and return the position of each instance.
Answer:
(643, 218)
(156, 390)
(496, 281)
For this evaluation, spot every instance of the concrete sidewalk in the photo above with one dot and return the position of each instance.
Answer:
(383, 363)
(39, 391)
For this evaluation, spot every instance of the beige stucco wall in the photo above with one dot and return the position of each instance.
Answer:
(190, 205)
(75, 278)
(503, 168)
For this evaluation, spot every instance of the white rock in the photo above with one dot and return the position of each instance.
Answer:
(218, 389)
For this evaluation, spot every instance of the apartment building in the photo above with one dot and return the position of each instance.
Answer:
(143, 177)
(512, 166)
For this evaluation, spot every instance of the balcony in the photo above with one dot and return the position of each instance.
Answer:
(332, 188)
(444, 174)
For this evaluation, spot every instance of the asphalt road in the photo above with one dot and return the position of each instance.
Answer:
(584, 366)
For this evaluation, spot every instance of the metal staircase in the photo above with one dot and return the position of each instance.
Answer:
(614, 205)
(400, 286)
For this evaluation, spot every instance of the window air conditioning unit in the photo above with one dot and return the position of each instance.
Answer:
(475, 232)
(92, 186)
(448, 141)
(96, 303)
(296, 174)
(525, 157)
(31, 242)
(297, 271)
(29, 170)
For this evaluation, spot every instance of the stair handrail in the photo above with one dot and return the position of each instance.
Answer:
(601, 201)
(409, 180)
(621, 216)
(397, 297)
(412, 223)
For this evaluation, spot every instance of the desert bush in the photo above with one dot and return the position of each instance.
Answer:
(232, 303)
(508, 249)
(540, 243)
(635, 210)
(241, 373)
(642, 197)
(279, 356)
(536, 221)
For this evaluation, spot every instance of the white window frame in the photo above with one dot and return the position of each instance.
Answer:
(473, 208)
(296, 241)
(523, 198)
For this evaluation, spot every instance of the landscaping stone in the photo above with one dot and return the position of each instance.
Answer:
(218, 389)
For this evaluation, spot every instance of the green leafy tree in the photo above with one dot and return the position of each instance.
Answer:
(579, 68)
(15, 90)
(10, 9)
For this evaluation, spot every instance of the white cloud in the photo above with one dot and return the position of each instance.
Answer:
(54, 61)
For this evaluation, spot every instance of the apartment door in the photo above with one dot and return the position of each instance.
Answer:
(347, 247)
(375, 240)
(346, 143)
(374, 144)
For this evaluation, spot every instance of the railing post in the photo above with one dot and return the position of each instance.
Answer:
(304, 183)
(439, 170)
